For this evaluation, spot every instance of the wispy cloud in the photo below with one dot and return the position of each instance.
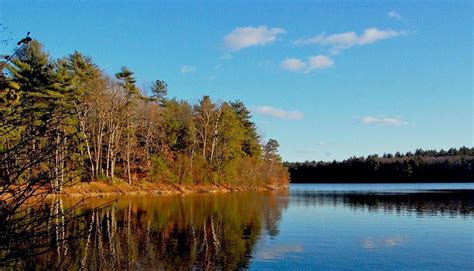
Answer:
(394, 15)
(244, 37)
(187, 69)
(383, 121)
(340, 41)
(293, 64)
(279, 113)
(319, 62)
(313, 63)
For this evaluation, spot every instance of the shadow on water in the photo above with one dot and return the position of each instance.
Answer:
(205, 231)
(421, 203)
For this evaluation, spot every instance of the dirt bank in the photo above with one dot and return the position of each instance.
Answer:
(146, 188)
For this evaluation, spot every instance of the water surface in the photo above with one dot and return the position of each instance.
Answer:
(309, 227)
(373, 227)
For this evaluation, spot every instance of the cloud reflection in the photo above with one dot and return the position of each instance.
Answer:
(371, 243)
(277, 252)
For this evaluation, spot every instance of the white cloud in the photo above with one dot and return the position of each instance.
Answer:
(372, 35)
(314, 63)
(243, 37)
(393, 14)
(319, 62)
(383, 121)
(347, 40)
(279, 113)
(187, 69)
(293, 64)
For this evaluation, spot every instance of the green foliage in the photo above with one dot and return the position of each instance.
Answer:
(233, 134)
(128, 82)
(159, 169)
(250, 143)
(41, 121)
(270, 150)
(178, 125)
(104, 127)
(201, 170)
(159, 90)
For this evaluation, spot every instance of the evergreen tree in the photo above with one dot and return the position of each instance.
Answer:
(250, 144)
(270, 150)
(159, 90)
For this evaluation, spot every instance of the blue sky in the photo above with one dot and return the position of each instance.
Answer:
(327, 80)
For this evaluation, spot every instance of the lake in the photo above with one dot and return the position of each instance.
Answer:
(309, 227)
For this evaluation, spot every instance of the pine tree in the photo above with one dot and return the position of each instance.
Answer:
(250, 145)
(159, 90)
(270, 150)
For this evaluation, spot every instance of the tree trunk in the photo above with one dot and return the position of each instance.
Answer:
(128, 153)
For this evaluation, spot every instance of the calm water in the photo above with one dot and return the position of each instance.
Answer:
(310, 227)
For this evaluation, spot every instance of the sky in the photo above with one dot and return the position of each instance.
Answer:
(328, 80)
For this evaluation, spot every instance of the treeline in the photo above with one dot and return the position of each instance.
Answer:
(66, 119)
(453, 165)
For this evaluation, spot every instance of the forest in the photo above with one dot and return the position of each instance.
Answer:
(67, 120)
(453, 165)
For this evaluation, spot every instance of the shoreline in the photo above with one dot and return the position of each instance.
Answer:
(100, 189)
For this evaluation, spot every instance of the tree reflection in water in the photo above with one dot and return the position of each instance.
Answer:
(199, 231)
(421, 203)
(208, 231)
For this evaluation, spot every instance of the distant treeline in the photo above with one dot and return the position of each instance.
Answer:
(453, 165)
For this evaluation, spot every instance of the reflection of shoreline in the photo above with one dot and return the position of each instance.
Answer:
(445, 202)
(205, 231)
